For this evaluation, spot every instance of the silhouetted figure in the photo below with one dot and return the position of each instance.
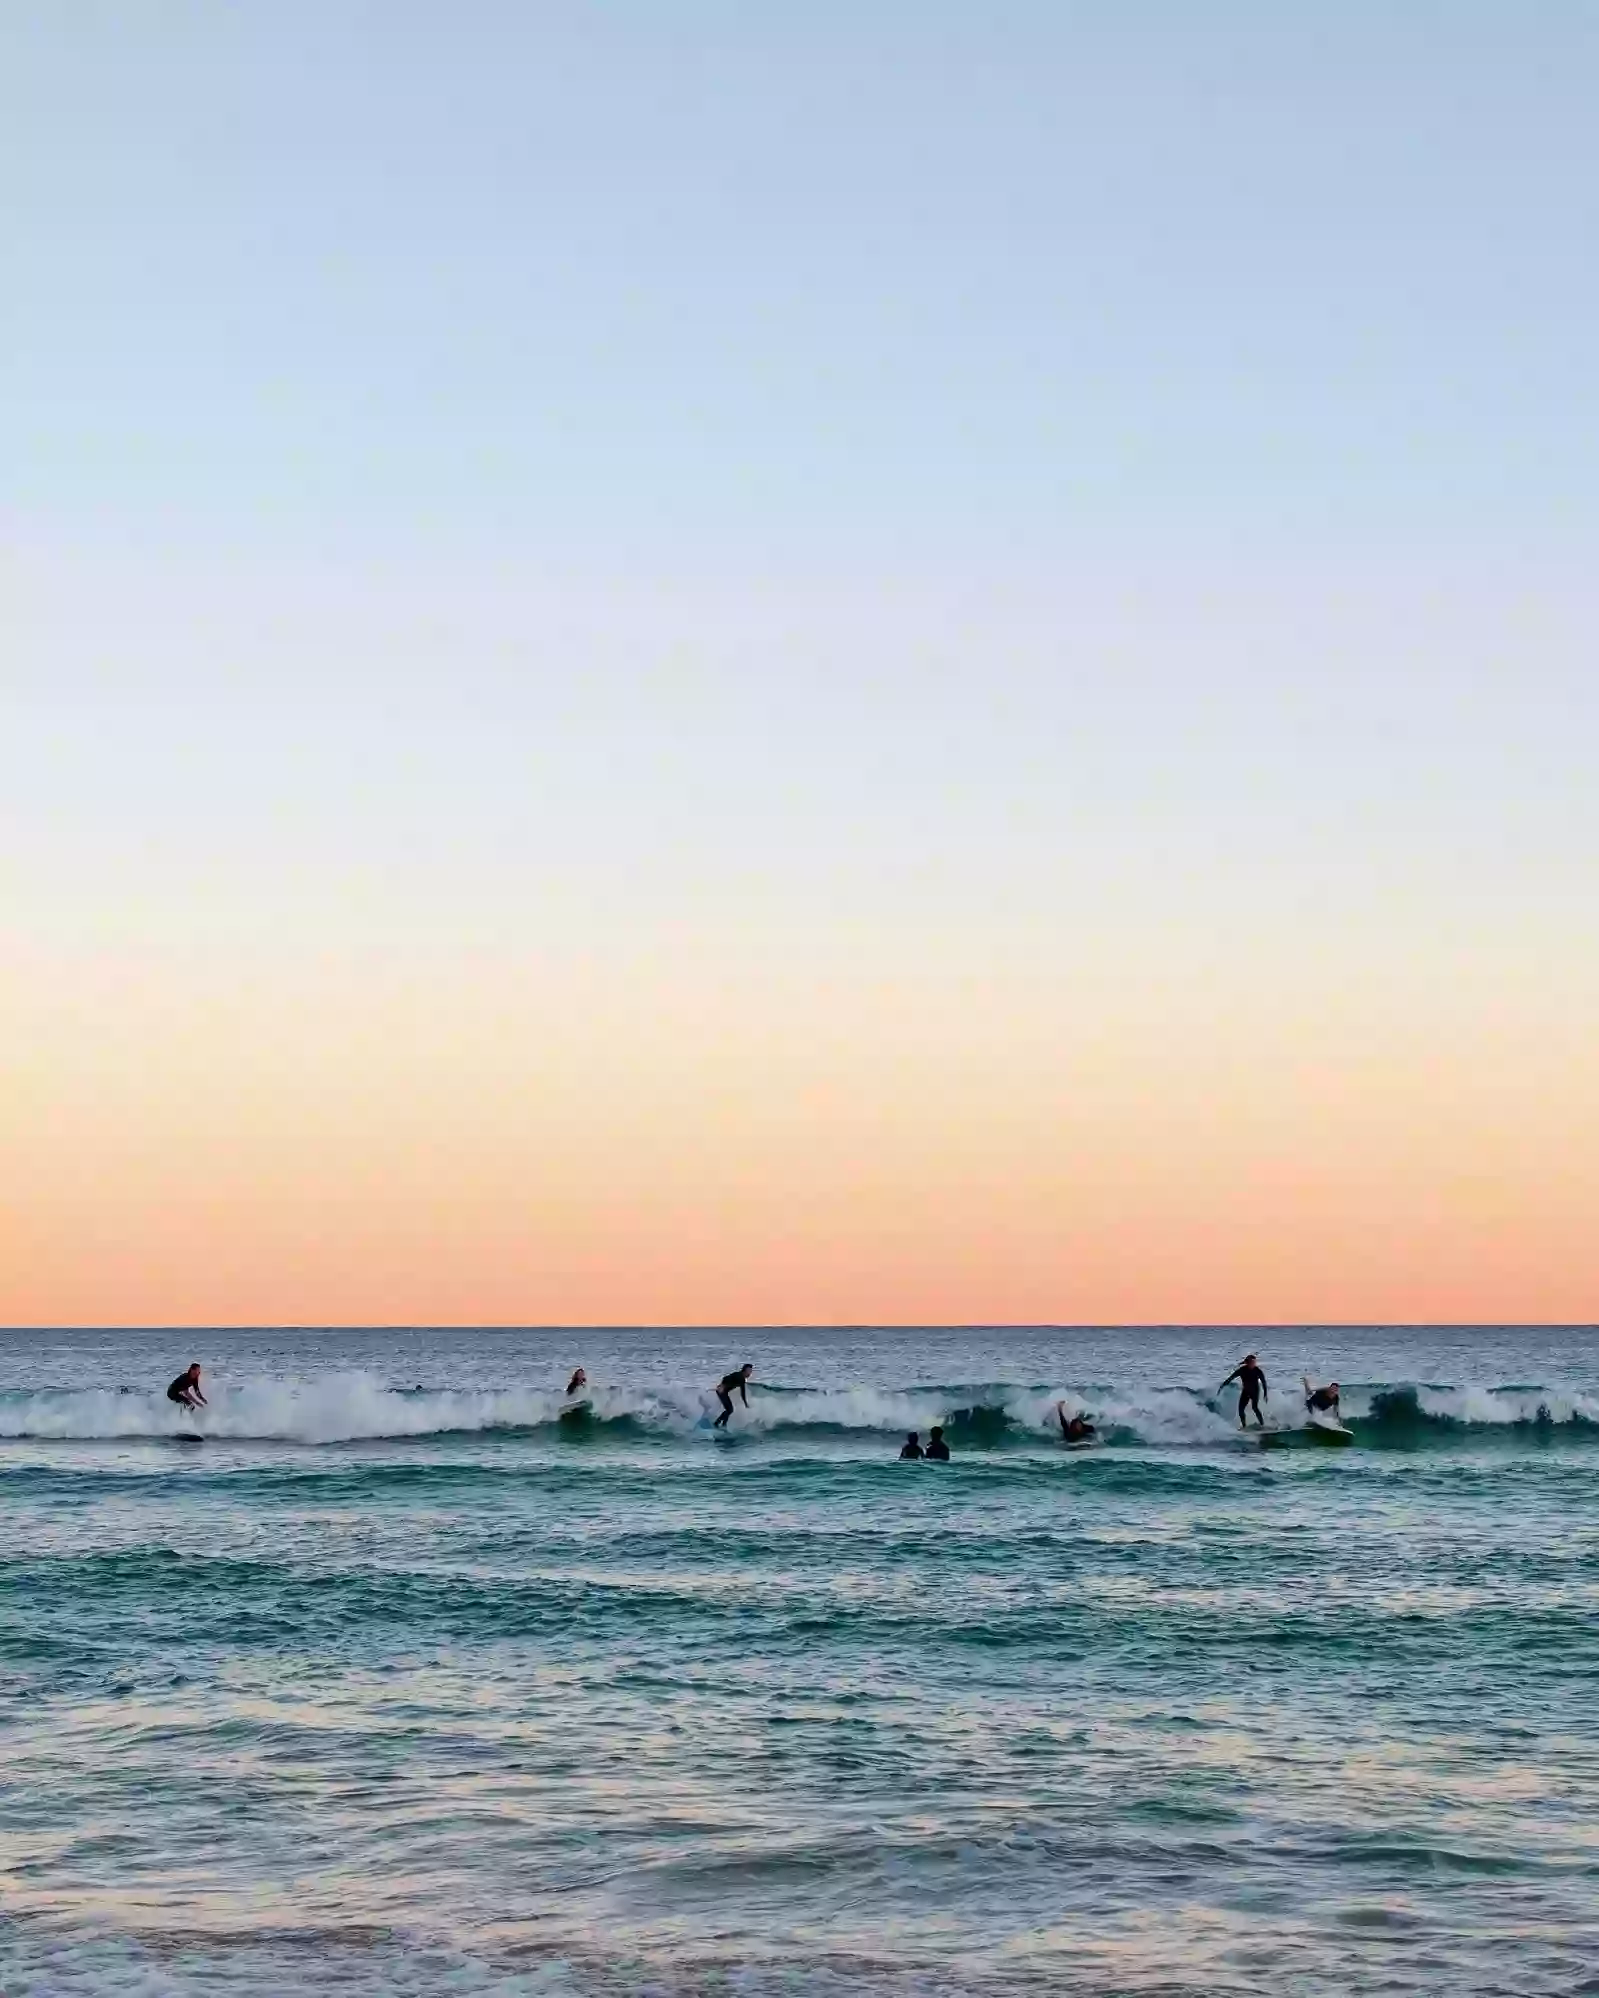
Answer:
(1251, 1380)
(725, 1390)
(1078, 1429)
(937, 1449)
(913, 1447)
(185, 1390)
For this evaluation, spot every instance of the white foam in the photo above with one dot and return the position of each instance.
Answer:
(347, 1407)
(333, 1408)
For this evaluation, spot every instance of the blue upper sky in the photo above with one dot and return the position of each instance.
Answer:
(869, 281)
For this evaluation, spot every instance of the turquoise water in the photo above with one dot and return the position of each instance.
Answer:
(402, 1683)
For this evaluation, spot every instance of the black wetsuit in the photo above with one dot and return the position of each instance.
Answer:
(1323, 1401)
(937, 1449)
(182, 1392)
(724, 1394)
(912, 1449)
(1251, 1383)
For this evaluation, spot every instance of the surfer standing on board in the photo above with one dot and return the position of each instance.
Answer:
(185, 1390)
(1251, 1379)
(725, 1390)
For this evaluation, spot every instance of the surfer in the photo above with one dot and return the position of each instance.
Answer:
(937, 1449)
(1251, 1379)
(1323, 1400)
(913, 1447)
(185, 1390)
(578, 1380)
(1078, 1430)
(725, 1389)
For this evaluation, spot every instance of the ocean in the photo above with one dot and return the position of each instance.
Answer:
(405, 1682)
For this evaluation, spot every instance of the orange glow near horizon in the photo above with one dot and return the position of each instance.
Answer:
(703, 1136)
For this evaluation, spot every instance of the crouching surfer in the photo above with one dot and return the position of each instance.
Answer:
(1323, 1401)
(185, 1390)
(727, 1387)
(1075, 1429)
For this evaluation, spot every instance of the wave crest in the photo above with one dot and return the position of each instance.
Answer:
(355, 1406)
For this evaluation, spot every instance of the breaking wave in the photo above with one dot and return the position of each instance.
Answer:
(351, 1407)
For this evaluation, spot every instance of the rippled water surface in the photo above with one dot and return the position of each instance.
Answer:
(411, 1679)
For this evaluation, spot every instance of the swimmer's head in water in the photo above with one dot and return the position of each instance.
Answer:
(911, 1436)
(936, 1430)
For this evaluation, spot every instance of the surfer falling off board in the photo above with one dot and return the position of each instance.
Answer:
(1323, 1401)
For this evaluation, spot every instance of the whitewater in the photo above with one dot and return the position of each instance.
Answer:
(355, 1406)
(416, 1677)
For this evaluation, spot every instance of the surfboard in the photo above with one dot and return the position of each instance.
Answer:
(183, 1437)
(1308, 1432)
(1327, 1429)
(578, 1405)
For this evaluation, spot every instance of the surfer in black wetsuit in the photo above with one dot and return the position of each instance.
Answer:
(937, 1449)
(725, 1389)
(578, 1380)
(913, 1447)
(1078, 1430)
(185, 1390)
(1251, 1379)
(1323, 1400)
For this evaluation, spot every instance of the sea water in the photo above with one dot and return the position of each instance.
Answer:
(404, 1681)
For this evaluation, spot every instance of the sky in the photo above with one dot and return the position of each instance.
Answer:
(673, 662)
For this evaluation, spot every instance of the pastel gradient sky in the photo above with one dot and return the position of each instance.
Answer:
(682, 661)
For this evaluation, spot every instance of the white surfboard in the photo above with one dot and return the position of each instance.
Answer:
(1326, 1428)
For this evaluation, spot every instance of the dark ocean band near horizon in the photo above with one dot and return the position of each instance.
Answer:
(420, 1675)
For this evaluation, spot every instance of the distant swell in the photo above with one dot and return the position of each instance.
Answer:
(350, 1407)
